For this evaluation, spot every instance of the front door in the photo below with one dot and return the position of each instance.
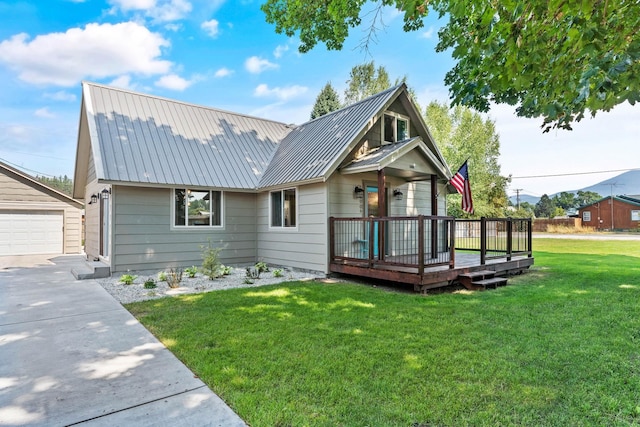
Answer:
(372, 210)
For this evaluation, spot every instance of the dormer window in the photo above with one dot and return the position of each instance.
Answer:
(396, 127)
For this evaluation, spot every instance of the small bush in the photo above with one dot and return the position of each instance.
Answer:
(226, 270)
(253, 273)
(191, 271)
(127, 279)
(162, 276)
(210, 261)
(150, 283)
(248, 281)
(262, 267)
(277, 272)
(174, 277)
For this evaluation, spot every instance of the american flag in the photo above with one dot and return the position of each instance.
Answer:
(461, 183)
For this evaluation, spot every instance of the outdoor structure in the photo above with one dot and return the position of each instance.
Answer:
(161, 178)
(35, 218)
(612, 213)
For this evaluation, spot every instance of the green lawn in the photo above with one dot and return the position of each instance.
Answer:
(559, 346)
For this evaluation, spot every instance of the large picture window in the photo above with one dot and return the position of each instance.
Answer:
(283, 208)
(197, 208)
(396, 128)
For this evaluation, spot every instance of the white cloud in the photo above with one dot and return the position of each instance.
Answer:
(280, 50)
(428, 34)
(44, 113)
(60, 96)
(158, 10)
(282, 93)
(223, 72)
(211, 27)
(173, 82)
(123, 82)
(256, 65)
(97, 51)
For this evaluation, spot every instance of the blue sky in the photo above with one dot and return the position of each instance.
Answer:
(223, 54)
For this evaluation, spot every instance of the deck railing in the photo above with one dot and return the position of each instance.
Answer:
(425, 241)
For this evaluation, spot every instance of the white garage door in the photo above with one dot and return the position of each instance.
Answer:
(30, 232)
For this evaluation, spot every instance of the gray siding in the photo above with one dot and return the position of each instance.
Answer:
(303, 247)
(145, 240)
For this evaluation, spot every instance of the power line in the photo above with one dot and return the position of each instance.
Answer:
(27, 169)
(574, 173)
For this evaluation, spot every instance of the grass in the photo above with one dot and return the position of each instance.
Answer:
(559, 346)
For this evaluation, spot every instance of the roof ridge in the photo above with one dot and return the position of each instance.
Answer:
(175, 101)
(35, 180)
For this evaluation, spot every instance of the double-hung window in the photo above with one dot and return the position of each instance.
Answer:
(197, 208)
(586, 216)
(283, 208)
(635, 215)
(396, 127)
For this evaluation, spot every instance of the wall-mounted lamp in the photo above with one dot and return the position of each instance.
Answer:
(358, 192)
(105, 193)
(397, 194)
(94, 199)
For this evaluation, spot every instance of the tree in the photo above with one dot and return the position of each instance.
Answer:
(586, 197)
(554, 60)
(365, 80)
(327, 101)
(463, 134)
(64, 184)
(565, 200)
(545, 207)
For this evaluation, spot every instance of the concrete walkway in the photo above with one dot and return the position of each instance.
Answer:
(71, 355)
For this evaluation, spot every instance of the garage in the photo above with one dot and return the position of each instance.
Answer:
(31, 232)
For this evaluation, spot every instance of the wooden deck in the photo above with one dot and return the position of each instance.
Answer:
(422, 251)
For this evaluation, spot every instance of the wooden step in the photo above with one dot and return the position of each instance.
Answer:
(467, 279)
(492, 282)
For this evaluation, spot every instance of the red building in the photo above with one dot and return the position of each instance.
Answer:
(612, 213)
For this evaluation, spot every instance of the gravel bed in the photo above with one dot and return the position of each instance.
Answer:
(236, 279)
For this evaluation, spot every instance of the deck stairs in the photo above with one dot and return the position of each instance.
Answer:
(481, 279)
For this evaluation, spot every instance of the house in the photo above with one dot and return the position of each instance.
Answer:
(624, 210)
(35, 218)
(161, 178)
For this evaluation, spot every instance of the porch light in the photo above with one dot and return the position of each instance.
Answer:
(94, 199)
(105, 193)
(397, 194)
(358, 192)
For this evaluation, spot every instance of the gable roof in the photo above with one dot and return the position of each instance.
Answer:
(624, 199)
(140, 138)
(34, 183)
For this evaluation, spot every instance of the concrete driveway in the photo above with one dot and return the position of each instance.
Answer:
(71, 355)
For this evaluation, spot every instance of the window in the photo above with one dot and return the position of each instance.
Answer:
(197, 208)
(396, 128)
(283, 208)
(586, 216)
(635, 215)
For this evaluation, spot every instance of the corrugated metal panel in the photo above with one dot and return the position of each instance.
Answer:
(146, 139)
(378, 155)
(314, 149)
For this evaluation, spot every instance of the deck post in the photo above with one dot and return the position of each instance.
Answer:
(529, 237)
(332, 232)
(371, 239)
(452, 242)
(434, 212)
(483, 241)
(382, 213)
(421, 246)
(509, 238)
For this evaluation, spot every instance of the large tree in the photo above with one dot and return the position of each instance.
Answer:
(462, 134)
(552, 59)
(545, 208)
(327, 101)
(365, 80)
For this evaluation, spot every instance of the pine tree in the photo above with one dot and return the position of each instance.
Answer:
(327, 101)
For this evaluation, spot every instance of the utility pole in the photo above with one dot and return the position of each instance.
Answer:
(518, 190)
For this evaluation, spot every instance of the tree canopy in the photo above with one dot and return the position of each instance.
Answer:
(463, 134)
(558, 60)
(61, 183)
(327, 101)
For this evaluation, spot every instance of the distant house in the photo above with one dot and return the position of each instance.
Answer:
(160, 178)
(624, 210)
(35, 218)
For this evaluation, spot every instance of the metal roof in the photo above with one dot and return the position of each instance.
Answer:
(315, 149)
(377, 157)
(146, 139)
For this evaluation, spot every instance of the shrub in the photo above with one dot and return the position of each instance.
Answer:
(191, 271)
(174, 277)
(127, 279)
(262, 267)
(162, 276)
(210, 261)
(253, 273)
(277, 272)
(226, 270)
(150, 283)
(248, 281)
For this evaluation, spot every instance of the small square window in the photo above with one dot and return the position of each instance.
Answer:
(635, 215)
(586, 216)
(197, 208)
(283, 208)
(395, 128)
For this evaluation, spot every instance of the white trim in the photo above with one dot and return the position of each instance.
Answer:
(396, 116)
(636, 213)
(186, 227)
(586, 214)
